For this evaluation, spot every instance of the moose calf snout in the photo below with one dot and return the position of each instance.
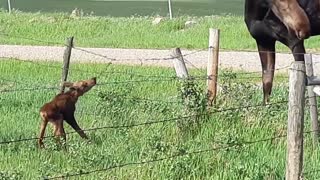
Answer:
(62, 107)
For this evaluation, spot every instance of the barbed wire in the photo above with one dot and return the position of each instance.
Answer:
(134, 59)
(153, 121)
(191, 64)
(230, 145)
(226, 146)
(40, 63)
(135, 98)
(37, 87)
(259, 51)
(254, 72)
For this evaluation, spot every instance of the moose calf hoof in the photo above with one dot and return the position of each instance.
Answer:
(40, 145)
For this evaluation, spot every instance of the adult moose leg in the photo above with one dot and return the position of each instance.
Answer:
(267, 57)
(298, 50)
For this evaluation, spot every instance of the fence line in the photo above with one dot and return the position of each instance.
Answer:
(136, 59)
(273, 52)
(150, 122)
(135, 98)
(228, 145)
(231, 145)
(168, 79)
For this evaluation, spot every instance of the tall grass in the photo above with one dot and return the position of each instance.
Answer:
(116, 103)
(134, 32)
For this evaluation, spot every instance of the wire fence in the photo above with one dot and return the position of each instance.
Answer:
(144, 78)
(151, 122)
(232, 145)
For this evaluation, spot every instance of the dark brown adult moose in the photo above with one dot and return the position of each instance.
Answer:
(286, 21)
(62, 107)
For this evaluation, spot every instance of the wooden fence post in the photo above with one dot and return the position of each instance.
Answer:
(212, 67)
(179, 64)
(297, 81)
(66, 62)
(312, 101)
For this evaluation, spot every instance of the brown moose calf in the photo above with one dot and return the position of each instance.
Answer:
(62, 107)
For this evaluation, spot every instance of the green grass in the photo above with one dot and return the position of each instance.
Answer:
(135, 32)
(121, 106)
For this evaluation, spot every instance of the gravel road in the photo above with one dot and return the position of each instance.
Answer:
(247, 61)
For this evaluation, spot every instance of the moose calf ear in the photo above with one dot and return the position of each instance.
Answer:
(67, 84)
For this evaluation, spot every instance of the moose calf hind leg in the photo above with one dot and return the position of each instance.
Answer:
(42, 131)
(59, 131)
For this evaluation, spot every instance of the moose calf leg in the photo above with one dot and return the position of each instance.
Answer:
(42, 131)
(59, 130)
(73, 123)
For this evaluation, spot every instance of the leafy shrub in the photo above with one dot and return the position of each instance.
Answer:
(194, 102)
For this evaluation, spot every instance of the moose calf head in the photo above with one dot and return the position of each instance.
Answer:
(62, 107)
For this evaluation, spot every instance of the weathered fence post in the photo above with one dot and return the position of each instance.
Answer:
(170, 9)
(179, 64)
(9, 6)
(212, 67)
(312, 101)
(297, 80)
(66, 62)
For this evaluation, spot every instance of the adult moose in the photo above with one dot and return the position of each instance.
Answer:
(287, 21)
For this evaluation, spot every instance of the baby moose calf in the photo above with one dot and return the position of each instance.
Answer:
(62, 107)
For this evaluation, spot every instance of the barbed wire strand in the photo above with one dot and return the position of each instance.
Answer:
(231, 145)
(134, 59)
(152, 122)
(257, 51)
(159, 79)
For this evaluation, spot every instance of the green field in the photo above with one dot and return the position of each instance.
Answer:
(136, 32)
(125, 8)
(129, 96)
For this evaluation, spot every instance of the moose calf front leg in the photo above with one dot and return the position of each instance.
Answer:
(73, 123)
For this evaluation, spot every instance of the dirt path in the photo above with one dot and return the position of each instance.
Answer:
(247, 61)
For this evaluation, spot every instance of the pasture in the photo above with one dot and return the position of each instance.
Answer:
(142, 121)
(143, 118)
(127, 8)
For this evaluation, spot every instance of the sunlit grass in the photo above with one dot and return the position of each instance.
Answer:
(135, 32)
(110, 147)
